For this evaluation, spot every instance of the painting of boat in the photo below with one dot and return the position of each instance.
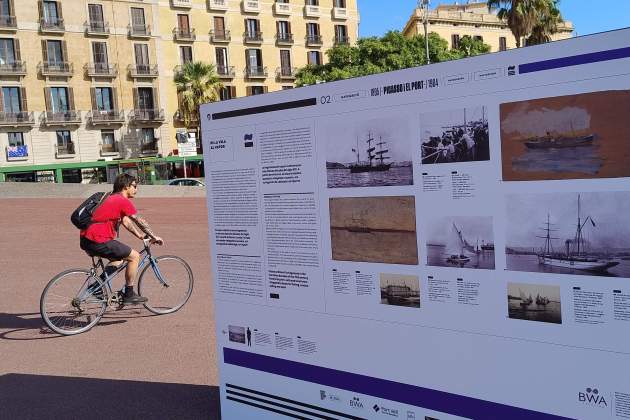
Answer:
(376, 158)
(557, 142)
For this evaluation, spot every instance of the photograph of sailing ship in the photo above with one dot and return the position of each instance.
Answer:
(534, 302)
(368, 153)
(460, 241)
(459, 135)
(400, 290)
(374, 229)
(566, 137)
(569, 233)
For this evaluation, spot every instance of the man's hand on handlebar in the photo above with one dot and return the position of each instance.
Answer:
(157, 240)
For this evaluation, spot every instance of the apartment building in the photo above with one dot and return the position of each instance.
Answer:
(472, 18)
(86, 86)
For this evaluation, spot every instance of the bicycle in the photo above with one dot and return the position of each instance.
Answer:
(75, 300)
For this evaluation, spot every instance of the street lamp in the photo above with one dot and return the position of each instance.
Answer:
(423, 5)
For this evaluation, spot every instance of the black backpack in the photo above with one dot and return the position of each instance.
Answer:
(82, 216)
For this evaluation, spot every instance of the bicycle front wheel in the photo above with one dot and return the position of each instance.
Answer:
(68, 307)
(167, 283)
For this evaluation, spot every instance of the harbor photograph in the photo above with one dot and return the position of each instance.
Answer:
(400, 290)
(569, 233)
(374, 229)
(460, 241)
(566, 137)
(534, 302)
(236, 334)
(368, 153)
(458, 135)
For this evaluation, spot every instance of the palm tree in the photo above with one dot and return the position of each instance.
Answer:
(547, 25)
(197, 83)
(522, 16)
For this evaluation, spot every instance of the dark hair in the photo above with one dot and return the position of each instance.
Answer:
(123, 181)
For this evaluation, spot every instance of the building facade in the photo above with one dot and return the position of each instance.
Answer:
(472, 18)
(86, 86)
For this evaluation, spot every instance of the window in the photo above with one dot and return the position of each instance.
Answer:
(312, 2)
(312, 29)
(54, 52)
(148, 142)
(145, 98)
(186, 54)
(16, 139)
(222, 60)
(227, 92)
(138, 23)
(285, 62)
(99, 54)
(64, 143)
(257, 90)
(7, 51)
(252, 28)
(287, 87)
(59, 99)
(183, 24)
(283, 28)
(454, 41)
(11, 100)
(95, 14)
(478, 38)
(253, 58)
(5, 8)
(282, 1)
(219, 27)
(314, 58)
(141, 52)
(341, 34)
(104, 98)
(340, 3)
(50, 12)
(502, 43)
(108, 141)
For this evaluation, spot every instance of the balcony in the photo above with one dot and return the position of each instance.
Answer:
(101, 70)
(253, 37)
(283, 38)
(182, 3)
(312, 11)
(226, 72)
(110, 149)
(220, 36)
(143, 70)
(65, 151)
(314, 40)
(149, 148)
(17, 153)
(56, 68)
(218, 4)
(52, 25)
(96, 28)
(184, 35)
(147, 115)
(283, 9)
(139, 31)
(14, 119)
(256, 72)
(180, 117)
(286, 73)
(14, 68)
(342, 40)
(251, 6)
(97, 117)
(8, 23)
(340, 13)
(61, 117)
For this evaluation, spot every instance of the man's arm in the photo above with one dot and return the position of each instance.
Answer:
(131, 227)
(144, 226)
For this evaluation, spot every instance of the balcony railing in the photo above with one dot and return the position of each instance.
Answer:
(220, 36)
(313, 40)
(312, 11)
(143, 70)
(96, 117)
(139, 31)
(286, 72)
(147, 115)
(110, 149)
(66, 150)
(61, 117)
(56, 68)
(342, 40)
(13, 68)
(282, 8)
(226, 72)
(256, 72)
(8, 22)
(340, 13)
(17, 152)
(187, 35)
(283, 38)
(218, 4)
(96, 27)
(52, 24)
(101, 70)
(182, 3)
(253, 37)
(251, 6)
(16, 118)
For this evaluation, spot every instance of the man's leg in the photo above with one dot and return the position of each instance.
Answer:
(133, 259)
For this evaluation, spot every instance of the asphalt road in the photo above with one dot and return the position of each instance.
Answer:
(133, 365)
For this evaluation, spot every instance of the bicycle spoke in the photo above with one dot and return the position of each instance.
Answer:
(169, 270)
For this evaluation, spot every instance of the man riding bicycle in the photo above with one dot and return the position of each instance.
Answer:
(98, 239)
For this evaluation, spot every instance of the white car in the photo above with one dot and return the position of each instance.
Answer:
(188, 182)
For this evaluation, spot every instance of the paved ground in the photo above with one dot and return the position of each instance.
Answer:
(133, 365)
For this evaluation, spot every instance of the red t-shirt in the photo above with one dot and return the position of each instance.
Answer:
(107, 217)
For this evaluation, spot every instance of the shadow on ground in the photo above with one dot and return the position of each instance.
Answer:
(38, 397)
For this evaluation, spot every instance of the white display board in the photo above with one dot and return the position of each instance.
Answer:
(444, 242)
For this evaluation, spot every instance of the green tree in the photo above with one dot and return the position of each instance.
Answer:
(522, 16)
(197, 83)
(377, 55)
(469, 47)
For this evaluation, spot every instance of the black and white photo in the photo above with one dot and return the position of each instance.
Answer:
(534, 302)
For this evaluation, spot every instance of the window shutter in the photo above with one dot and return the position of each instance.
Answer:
(71, 99)
(136, 99)
(249, 91)
(64, 49)
(59, 10)
(289, 27)
(93, 97)
(16, 47)
(265, 89)
(245, 23)
(48, 98)
(23, 99)
(12, 7)
(232, 92)
(1, 101)
(40, 9)
(115, 98)
(156, 97)
(45, 50)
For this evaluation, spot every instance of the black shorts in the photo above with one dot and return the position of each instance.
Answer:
(112, 250)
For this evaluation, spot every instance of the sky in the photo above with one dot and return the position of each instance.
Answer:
(588, 16)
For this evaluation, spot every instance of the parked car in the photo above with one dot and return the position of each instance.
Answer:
(188, 182)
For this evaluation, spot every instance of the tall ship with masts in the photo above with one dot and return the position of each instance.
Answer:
(376, 157)
(575, 255)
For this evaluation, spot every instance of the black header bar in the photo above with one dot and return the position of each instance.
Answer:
(265, 108)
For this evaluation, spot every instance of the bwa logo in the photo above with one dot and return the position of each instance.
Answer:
(593, 398)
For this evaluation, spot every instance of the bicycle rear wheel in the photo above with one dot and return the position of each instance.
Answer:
(167, 283)
(68, 307)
